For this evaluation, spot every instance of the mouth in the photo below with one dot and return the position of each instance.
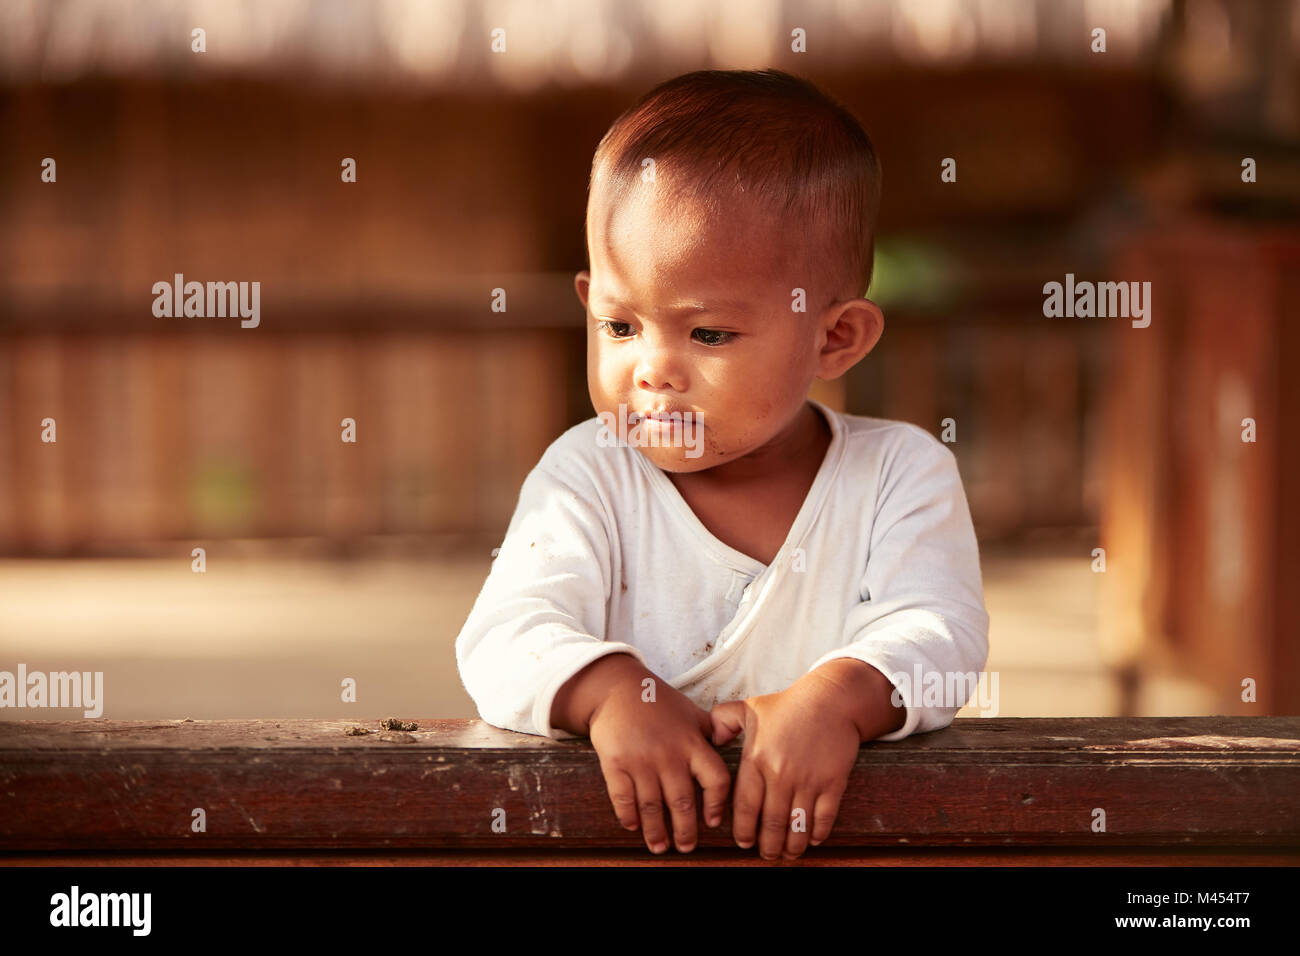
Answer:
(658, 418)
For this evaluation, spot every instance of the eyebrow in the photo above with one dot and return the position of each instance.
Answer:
(685, 308)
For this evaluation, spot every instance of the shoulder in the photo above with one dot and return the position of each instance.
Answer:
(900, 465)
(890, 443)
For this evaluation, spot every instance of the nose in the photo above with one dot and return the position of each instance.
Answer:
(658, 367)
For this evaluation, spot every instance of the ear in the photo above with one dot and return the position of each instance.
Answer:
(852, 327)
(582, 283)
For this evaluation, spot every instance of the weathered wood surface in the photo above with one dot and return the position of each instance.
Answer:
(102, 785)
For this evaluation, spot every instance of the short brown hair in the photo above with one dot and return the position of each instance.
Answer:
(773, 136)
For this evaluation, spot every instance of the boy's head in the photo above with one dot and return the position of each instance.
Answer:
(730, 223)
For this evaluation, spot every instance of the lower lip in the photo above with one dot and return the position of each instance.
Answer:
(659, 422)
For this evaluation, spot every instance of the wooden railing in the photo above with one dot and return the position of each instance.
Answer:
(1212, 789)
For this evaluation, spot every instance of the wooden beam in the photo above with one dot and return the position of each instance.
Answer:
(103, 785)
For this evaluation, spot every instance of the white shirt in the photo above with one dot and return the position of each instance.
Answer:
(603, 555)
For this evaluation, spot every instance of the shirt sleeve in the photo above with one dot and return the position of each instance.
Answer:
(921, 620)
(540, 616)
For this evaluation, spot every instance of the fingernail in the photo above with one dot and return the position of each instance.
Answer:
(658, 847)
(744, 846)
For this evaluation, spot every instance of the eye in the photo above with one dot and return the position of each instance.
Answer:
(612, 327)
(714, 337)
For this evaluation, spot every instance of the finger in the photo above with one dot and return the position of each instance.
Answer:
(801, 822)
(622, 795)
(728, 720)
(650, 804)
(746, 802)
(776, 819)
(715, 780)
(827, 809)
(679, 793)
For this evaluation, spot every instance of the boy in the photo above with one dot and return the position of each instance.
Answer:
(714, 554)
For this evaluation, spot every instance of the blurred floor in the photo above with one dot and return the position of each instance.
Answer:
(274, 637)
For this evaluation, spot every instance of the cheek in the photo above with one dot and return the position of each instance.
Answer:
(594, 387)
(602, 370)
(761, 410)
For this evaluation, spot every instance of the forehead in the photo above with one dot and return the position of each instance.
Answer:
(652, 236)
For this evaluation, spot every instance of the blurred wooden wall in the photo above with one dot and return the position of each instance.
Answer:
(163, 437)
(375, 300)
(160, 438)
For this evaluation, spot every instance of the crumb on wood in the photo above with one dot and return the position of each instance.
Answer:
(393, 723)
(355, 731)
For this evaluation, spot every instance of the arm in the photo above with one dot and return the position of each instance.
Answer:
(532, 656)
(922, 608)
(577, 701)
(540, 616)
(860, 692)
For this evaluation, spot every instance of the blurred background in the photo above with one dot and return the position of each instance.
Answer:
(327, 560)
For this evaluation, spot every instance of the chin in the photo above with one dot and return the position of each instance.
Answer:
(676, 460)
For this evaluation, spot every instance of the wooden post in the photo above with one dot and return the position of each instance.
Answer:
(1202, 527)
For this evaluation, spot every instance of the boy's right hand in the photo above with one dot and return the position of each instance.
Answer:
(651, 753)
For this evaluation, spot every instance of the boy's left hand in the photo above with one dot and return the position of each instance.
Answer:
(800, 744)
